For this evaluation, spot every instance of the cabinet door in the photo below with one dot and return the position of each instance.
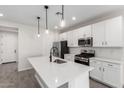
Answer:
(87, 31)
(75, 38)
(111, 75)
(113, 32)
(70, 38)
(98, 33)
(63, 36)
(84, 32)
(96, 73)
(80, 33)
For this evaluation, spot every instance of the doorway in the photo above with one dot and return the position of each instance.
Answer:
(8, 46)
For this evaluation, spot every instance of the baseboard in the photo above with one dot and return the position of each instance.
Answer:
(9, 62)
(23, 69)
(108, 85)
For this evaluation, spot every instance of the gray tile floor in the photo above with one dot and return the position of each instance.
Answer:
(11, 78)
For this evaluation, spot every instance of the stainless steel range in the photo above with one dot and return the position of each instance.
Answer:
(83, 58)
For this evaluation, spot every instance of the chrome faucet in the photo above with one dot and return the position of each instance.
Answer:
(52, 52)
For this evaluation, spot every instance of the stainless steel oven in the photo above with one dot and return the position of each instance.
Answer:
(84, 57)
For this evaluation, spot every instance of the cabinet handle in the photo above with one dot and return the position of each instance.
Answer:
(102, 43)
(110, 65)
(103, 69)
(105, 42)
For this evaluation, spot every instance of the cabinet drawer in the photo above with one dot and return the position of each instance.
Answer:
(111, 65)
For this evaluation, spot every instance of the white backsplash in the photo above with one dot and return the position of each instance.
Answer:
(110, 53)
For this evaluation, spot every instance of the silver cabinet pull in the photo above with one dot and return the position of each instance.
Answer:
(103, 69)
(105, 42)
(110, 65)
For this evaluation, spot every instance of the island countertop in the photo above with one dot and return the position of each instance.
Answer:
(53, 74)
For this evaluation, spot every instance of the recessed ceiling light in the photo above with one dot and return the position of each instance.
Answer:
(1, 14)
(73, 18)
(56, 27)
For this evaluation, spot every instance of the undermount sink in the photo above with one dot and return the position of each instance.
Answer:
(58, 61)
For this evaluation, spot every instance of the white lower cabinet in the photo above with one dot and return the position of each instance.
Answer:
(69, 57)
(106, 72)
(96, 73)
(111, 76)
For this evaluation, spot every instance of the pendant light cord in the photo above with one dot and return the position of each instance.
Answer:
(46, 19)
(38, 25)
(62, 12)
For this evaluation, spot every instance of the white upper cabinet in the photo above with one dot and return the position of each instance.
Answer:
(98, 33)
(70, 41)
(108, 33)
(63, 36)
(75, 38)
(87, 31)
(84, 32)
(72, 38)
(114, 32)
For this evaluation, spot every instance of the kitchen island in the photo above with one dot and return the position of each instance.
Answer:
(54, 75)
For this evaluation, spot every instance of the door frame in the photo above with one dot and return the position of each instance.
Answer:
(10, 29)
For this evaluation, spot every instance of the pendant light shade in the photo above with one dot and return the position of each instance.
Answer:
(62, 21)
(47, 31)
(38, 34)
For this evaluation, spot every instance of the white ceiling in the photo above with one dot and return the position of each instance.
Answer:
(26, 14)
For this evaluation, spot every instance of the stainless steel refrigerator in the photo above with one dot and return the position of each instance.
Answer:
(62, 47)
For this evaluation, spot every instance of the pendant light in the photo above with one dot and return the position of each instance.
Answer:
(38, 34)
(62, 22)
(47, 31)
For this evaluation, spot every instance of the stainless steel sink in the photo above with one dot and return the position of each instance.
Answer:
(58, 61)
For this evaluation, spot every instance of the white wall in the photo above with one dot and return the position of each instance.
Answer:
(29, 44)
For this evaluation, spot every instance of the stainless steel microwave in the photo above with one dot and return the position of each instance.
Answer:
(86, 42)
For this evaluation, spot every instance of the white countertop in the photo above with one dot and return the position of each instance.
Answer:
(107, 60)
(54, 74)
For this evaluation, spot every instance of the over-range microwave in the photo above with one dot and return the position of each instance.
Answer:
(85, 42)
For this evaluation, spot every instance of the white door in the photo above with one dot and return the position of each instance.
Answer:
(114, 32)
(98, 32)
(96, 73)
(9, 46)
